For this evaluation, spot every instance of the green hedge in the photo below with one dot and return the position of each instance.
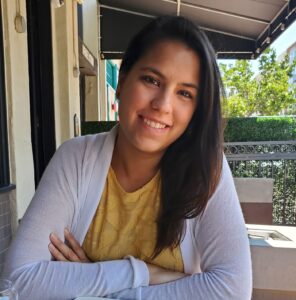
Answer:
(260, 129)
(237, 129)
(96, 127)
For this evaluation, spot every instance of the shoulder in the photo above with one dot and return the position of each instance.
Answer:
(80, 152)
(225, 190)
(82, 142)
(224, 200)
(84, 147)
(223, 211)
(226, 178)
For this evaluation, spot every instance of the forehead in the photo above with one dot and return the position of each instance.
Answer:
(172, 58)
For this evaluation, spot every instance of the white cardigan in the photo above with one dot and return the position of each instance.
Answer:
(215, 247)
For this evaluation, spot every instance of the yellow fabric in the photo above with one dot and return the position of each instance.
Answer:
(124, 224)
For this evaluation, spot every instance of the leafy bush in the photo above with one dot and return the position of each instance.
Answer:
(260, 129)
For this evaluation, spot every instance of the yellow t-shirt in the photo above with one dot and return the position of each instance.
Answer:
(125, 224)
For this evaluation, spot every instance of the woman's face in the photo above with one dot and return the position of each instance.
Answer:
(158, 97)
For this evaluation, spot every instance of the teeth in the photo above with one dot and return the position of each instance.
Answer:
(154, 124)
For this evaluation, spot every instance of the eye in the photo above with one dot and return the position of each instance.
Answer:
(150, 80)
(186, 94)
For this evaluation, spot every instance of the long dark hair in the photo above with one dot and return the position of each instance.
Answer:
(191, 166)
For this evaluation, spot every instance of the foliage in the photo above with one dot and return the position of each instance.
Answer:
(284, 190)
(96, 127)
(240, 88)
(260, 129)
(269, 93)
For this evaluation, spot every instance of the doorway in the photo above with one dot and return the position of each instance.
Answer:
(41, 84)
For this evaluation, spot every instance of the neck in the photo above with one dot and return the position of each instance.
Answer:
(133, 168)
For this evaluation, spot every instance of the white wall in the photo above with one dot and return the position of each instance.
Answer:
(102, 90)
(65, 69)
(91, 98)
(91, 40)
(18, 108)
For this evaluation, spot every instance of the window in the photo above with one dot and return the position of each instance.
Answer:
(112, 74)
(4, 161)
(112, 102)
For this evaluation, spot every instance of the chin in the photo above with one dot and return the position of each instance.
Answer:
(150, 148)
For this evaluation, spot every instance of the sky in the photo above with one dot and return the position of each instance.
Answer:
(287, 38)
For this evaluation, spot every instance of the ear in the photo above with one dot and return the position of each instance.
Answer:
(120, 83)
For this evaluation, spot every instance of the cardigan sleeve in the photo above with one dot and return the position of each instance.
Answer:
(221, 241)
(29, 263)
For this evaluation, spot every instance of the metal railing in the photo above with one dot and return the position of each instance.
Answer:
(272, 159)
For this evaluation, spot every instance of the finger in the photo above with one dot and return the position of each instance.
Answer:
(66, 251)
(75, 246)
(57, 255)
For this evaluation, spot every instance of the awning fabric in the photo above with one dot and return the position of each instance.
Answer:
(236, 28)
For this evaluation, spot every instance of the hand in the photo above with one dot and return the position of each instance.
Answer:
(160, 275)
(72, 252)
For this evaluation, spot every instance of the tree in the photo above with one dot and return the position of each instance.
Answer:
(268, 93)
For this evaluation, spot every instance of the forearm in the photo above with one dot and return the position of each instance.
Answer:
(207, 285)
(67, 280)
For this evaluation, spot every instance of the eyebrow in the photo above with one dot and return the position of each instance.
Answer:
(155, 71)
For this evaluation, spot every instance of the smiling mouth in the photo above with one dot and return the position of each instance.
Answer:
(154, 124)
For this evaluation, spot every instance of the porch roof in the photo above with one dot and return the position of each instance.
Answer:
(236, 28)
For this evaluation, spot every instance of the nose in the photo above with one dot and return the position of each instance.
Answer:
(163, 101)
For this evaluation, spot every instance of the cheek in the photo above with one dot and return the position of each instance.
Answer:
(136, 98)
(130, 103)
(184, 115)
(130, 95)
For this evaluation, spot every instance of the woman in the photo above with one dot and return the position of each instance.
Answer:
(151, 202)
